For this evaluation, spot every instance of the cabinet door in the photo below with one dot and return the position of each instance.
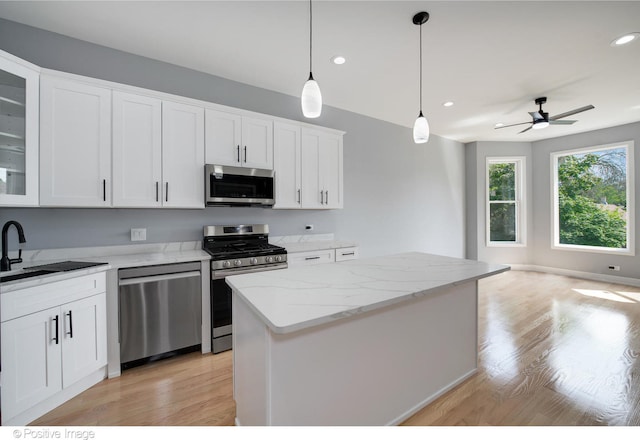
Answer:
(75, 144)
(182, 155)
(257, 143)
(311, 189)
(84, 338)
(137, 150)
(223, 138)
(31, 360)
(287, 165)
(330, 161)
(19, 127)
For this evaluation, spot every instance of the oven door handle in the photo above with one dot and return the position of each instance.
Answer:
(219, 274)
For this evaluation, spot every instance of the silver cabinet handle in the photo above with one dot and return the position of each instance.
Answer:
(299, 196)
(322, 197)
(326, 197)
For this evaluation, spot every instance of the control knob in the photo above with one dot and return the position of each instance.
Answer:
(278, 258)
(226, 264)
(254, 260)
(237, 263)
(269, 259)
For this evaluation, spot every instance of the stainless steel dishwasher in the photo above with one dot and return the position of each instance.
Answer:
(160, 311)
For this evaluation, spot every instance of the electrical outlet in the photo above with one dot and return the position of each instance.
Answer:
(139, 234)
(614, 268)
(309, 227)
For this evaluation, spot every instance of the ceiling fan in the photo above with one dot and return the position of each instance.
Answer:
(541, 119)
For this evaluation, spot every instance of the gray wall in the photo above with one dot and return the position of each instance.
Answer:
(538, 251)
(582, 261)
(398, 196)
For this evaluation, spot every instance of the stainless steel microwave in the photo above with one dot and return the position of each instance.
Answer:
(235, 186)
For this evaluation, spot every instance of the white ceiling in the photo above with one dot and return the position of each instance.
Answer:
(492, 58)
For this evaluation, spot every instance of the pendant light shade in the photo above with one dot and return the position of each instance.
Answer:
(311, 98)
(421, 130)
(421, 126)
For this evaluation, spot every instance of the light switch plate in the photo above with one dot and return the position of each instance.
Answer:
(139, 234)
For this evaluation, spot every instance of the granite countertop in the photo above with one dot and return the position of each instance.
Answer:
(116, 257)
(297, 298)
(309, 246)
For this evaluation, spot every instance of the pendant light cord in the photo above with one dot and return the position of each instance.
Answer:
(421, 68)
(310, 37)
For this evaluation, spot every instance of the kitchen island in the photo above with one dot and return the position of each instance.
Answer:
(361, 342)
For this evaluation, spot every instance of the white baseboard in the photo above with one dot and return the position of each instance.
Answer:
(578, 274)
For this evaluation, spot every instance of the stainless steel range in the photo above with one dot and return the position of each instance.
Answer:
(235, 250)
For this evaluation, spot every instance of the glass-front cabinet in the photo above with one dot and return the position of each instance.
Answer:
(19, 139)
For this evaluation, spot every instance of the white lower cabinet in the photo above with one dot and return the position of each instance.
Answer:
(321, 256)
(50, 354)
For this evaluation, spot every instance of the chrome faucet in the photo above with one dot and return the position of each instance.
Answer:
(5, 263)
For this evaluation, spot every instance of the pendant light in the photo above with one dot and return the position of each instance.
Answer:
(311, 96)
(421, 126)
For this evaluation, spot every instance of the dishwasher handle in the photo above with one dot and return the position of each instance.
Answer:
(155, 278)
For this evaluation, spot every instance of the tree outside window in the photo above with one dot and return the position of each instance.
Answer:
(593, 191)
(504, 201)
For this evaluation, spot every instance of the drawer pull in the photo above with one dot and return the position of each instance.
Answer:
(344, 254)
(312, 258)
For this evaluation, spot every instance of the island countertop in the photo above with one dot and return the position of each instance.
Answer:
(293, 299)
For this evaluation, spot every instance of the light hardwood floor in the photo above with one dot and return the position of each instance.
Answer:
(553, 350)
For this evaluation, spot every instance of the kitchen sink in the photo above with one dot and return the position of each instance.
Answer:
(47, 269)
(23, 275)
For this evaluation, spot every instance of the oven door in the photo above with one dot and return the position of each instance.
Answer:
(226, 185)
(221, 324)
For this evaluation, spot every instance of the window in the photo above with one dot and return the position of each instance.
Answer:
(505, 207)
(593, 199)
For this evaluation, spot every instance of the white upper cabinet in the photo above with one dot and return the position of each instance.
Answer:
(287, 165)
(75, 143)
(137, 151)
(182, 155)
(238, 140)
(322, 169)
(19, 126)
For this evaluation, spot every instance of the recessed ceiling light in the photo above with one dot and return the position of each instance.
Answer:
(625, 39)
(338, 59)
(448, 104)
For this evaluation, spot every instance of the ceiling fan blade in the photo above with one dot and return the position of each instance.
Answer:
(571, 112)
(536, 115)
(526, 129)
(511, 125)
(563, 122)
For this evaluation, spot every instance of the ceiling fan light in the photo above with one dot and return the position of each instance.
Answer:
(421, 130)
(311, 99)
(540, 125)
(625, 39)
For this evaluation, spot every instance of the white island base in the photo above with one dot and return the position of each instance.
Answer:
(373, 368)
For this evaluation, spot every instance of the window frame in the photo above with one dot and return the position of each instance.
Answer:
(630, 191)
(519, 202)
